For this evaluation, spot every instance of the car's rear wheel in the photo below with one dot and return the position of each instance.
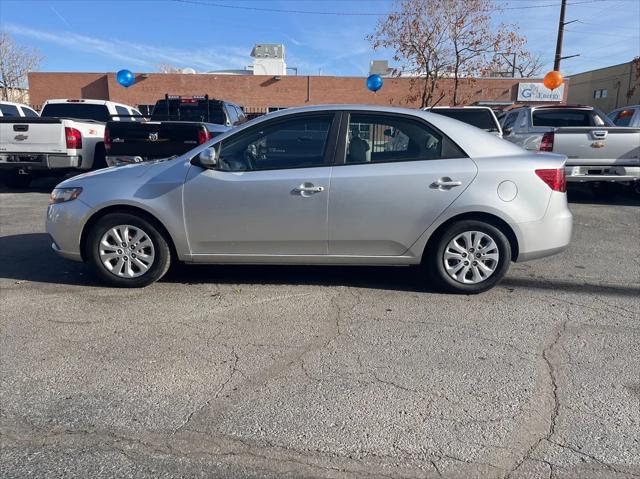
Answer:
(128, 251)
(468, 257)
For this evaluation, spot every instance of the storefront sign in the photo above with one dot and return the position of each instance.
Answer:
(538, 92)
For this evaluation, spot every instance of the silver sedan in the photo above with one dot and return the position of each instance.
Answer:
(334, 184)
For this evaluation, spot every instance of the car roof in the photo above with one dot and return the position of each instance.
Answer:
(88, 101)
(2, 102)
(459, 107)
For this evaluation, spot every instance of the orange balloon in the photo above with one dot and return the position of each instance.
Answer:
(553, 80)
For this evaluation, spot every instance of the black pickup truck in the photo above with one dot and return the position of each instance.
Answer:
(177, 125)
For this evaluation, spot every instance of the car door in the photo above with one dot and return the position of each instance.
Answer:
(269, 193)
(394, 175)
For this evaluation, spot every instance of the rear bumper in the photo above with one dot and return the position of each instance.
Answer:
(550, 235)
(38, 161)
(581, 174)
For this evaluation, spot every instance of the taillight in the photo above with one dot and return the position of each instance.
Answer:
(546, 144)
(107, 139)
(74, 138)
(204, 135)
(555, 178)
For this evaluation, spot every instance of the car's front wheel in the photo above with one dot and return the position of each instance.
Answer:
(128, 251)
(468, 257)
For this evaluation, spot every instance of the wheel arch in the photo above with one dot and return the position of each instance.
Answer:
(489, 218)
(96, 216)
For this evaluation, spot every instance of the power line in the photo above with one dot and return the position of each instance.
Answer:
(358, 14)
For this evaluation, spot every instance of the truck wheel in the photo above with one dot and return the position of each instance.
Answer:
(468, 257)
(99, 158)
(127, 251)
(14, 180)
(603, 190)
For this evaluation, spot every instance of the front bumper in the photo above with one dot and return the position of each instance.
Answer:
(37, 161)
(581, 174)
(547, 236)
(64, 225)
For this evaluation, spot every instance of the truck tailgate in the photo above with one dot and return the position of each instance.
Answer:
(32, 135)
(598, 145)
(151, 140)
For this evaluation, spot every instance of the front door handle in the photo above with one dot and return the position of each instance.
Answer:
(445, 183)
(308, 189)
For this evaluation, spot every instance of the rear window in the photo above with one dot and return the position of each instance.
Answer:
(78, 111)
(189, 110)
(482, 119)
(9, 110)
(559, 118)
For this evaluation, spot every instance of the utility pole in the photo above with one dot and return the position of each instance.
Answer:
(561, 24)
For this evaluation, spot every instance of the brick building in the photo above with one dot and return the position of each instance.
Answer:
(260, 92)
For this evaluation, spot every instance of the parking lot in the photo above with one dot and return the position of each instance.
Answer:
(322, 371)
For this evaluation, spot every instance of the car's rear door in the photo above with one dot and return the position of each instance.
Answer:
(269, 195)
(394, 175)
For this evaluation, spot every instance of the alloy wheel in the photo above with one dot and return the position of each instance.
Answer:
(126, 251)
(471, 257)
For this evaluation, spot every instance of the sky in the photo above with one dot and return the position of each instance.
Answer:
(103, 35)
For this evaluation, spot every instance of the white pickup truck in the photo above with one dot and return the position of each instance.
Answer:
(598, 152)
(68, 137)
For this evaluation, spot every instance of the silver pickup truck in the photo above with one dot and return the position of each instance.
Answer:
(598, 151)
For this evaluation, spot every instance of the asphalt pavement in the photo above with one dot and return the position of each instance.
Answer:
(333, 372)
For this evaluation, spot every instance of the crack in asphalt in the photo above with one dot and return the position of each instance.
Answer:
(234, 370)
(553, 393)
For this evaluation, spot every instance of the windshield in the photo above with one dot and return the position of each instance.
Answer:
(189, 110)
(79, 111)
(479, 118)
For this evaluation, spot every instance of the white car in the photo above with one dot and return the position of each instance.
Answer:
(9, 109)
(67, 137)
(481, 117)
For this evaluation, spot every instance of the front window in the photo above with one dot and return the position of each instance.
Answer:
(382, 138)
(293, 143)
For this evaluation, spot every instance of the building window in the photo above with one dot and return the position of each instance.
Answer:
(602, 93)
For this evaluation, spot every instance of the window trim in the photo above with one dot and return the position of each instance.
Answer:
(329, 149)
(341, 149)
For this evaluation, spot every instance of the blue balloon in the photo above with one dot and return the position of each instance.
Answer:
(374, 82)
(125, 78)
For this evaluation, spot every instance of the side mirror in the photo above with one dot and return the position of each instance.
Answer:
(507, 131)
(207, 158)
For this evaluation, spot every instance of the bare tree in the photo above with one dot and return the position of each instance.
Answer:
(16, 61)
(434, 39)
(416, 33)
(526, 65)
(475, 41)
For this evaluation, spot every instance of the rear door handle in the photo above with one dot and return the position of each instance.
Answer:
(445, 183)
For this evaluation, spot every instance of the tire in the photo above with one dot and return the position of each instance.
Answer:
(14, 180)
(126, 263)
(476, 280)
(603, 190)
(99, 158)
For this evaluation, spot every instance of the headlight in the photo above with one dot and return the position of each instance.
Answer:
(61, 195)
